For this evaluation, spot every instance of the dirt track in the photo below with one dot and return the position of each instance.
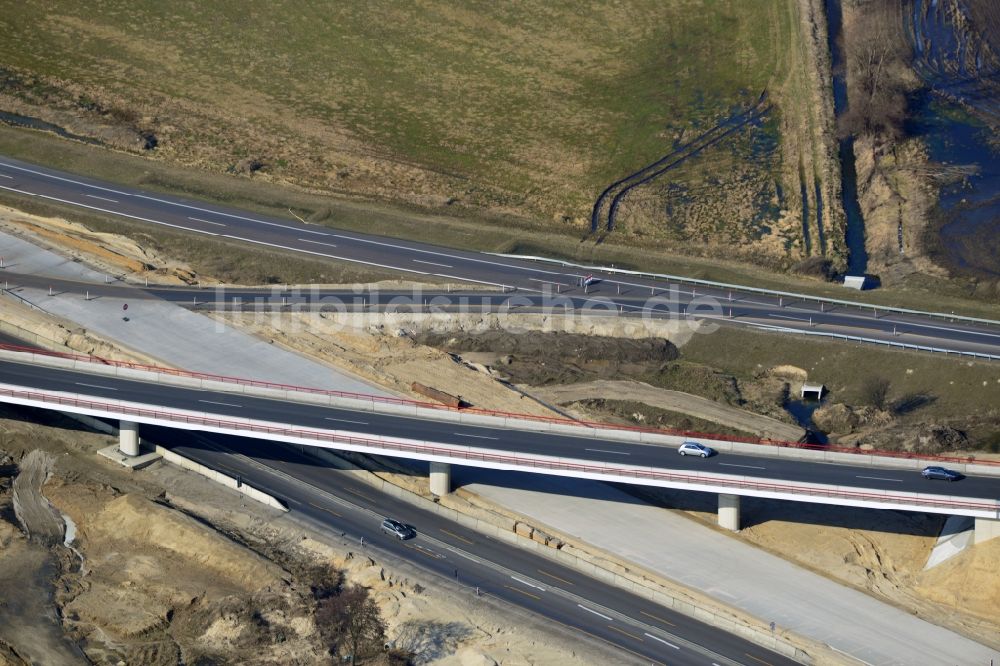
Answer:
(39, 520)
(677, 401)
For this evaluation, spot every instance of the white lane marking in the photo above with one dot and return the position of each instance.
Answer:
(431, 263)
(306, 240)
(466, 279)
(735, 465)
(115, 212)
(346, 421)
(524, 582)
(198, 219)
(224, 404)
(778, 316)
(940, 328)
(446, 255)
(323, 254)
(465, 434)
(94, 196)
(744, 300)
(591, 610)
(14, 189)
(465, 555)
(657, 638)
(285, 226)
(67, 180)
(219, 212)
(561, 284)
(106, 388)
(3, 175)
(879, 478)
(620, 453)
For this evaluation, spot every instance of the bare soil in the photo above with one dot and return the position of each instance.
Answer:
(173, 568)
(694, 406)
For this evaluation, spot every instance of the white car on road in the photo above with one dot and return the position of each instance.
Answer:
(695, 449)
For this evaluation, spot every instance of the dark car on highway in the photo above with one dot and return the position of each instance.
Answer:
(942, 473)
(398, 529)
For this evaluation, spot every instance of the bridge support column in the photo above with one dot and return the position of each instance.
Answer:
(128, 438)
(986, 529)
(729, 512)
(440, 478)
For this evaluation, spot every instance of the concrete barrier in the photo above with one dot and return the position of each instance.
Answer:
(219, 477)
(639, 582)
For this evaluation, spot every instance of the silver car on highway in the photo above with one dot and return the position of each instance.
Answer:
(695, 449)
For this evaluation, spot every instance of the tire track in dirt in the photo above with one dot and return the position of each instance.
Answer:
(671, 159)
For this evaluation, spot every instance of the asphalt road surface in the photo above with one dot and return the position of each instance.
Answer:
(531, 280)
(334, 501)
(363, 423)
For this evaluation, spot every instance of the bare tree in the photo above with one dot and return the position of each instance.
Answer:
(875, 392)
(352, 623)
(876, 58)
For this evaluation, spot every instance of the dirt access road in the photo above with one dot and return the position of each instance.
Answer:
(676, 401)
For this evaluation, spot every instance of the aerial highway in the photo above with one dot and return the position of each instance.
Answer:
(472, 563)
(487, 437)
(525, 282)
(468, 559)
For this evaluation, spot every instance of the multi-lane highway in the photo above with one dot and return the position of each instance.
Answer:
(467, 558)
(608, 292)
(499, 437)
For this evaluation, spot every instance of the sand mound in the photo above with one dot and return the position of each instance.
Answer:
(968, 581)
(141, 521)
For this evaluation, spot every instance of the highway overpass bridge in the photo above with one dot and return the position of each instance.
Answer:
(134, 395)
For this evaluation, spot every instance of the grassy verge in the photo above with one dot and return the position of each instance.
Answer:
(958, 388)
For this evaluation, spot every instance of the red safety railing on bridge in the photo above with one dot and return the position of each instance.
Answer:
(257, 383)
(622, 472)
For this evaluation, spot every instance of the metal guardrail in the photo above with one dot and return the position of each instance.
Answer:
(744, 288)
(530, 461)
(555, 420)
(877, 341)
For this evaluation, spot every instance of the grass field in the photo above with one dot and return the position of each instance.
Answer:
(519, 108)
(960, 390)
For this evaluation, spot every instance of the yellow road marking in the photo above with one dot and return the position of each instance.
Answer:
(460, 538)
(527, 594)
(658, 618)
(355, 492)
(605, 640)
(422, 551)
(622, 631)
(766, 663)
(325, 509)
(546, 573)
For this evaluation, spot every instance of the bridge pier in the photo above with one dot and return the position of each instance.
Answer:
(729, 512)
(986, 529)
(128, 438)
(440, 478)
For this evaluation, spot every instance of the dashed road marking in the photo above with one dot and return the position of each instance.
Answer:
(96, 386)
(591, 610)
(456, 536)
(667, 643)
(559, 578)
(527, 594)
(224, 404)
(198, 219)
